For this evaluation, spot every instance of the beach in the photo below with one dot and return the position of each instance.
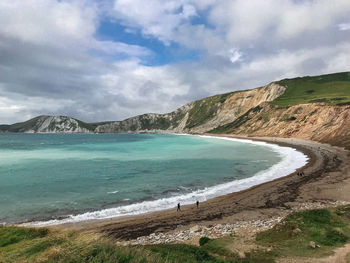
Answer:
(326, 182)
(254, 168)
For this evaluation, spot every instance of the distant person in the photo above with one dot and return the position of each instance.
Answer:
(197, 203)
(178, 207)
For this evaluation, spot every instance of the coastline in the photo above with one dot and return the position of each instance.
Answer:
(291, 160)
(326, 180)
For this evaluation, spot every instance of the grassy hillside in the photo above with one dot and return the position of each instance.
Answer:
(333, 89)
(229, 127)
(328, 228)
(30, 124)
(205, 109)
(21, 126)
(89, 126)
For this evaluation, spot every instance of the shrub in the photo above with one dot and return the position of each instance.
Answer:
(203, 240)
(334, 237)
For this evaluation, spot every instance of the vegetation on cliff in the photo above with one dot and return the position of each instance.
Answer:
(230, 127)
(34, 124)
(316, 108)
(205, 109)
(21, 126)
(333, 89)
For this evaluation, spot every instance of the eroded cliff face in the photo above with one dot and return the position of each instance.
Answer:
(198, 116)
(315, 121)
(253, 112)
(56, 124)
(237, 104)
(151, 122)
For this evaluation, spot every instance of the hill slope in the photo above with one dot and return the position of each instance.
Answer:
(198, 116)
(333, 89)
(49, 124)
(316, 108)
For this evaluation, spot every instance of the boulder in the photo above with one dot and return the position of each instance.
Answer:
(195, 229)
(297, 231)
(312, 244)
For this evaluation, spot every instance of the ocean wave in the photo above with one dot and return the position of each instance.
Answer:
(113, 192)
(291, 161)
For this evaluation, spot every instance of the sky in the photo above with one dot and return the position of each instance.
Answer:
(101, 60)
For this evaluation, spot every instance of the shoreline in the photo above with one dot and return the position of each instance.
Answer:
(291, 161)
(326, 179)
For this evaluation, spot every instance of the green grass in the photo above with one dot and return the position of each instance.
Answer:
(203, 240)
(40, 245)
(159, 123)
(205, 109)
(30, 124)
(12, 235)
(21, 126)
(329, 228)
(326, 227)
(333, 89)
(230, 127)
(88, 126)
(183, 253)
(212, 252)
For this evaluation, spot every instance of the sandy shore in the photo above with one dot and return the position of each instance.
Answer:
(326, 181)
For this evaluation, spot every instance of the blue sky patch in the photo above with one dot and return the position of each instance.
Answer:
(161, 54)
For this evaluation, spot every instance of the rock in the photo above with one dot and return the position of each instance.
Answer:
(297, 231)
(312, 244)
(195, 229)
(347, 215)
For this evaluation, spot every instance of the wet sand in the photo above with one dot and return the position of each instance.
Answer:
(326, 179)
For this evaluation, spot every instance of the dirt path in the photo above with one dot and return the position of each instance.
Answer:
(341, 255)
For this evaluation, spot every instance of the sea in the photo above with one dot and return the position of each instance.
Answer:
(48, 179)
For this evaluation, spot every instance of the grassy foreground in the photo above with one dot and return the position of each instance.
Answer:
(328, 228)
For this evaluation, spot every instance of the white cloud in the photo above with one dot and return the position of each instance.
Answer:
(155, 18)
(52, 63)
(58, 24)
(46, 21)
(247, 22)
(344, 26)
(235, 55)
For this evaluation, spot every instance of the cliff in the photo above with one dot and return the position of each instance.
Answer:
(49, 124)
(151, 122)
(198, 116)
(319, 122)
(316, 108)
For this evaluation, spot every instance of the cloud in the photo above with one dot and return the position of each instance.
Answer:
(249, 21)
(157, 18)
(51, 61)
(344, 26)
(235, 55)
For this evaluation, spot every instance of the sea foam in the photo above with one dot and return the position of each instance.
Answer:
(291, 161)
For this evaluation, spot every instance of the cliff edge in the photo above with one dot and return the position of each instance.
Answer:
(316, 108)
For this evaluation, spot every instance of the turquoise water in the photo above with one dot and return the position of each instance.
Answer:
(50, 176)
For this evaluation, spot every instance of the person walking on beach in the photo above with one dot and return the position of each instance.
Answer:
(197, 203)
(178, 207)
